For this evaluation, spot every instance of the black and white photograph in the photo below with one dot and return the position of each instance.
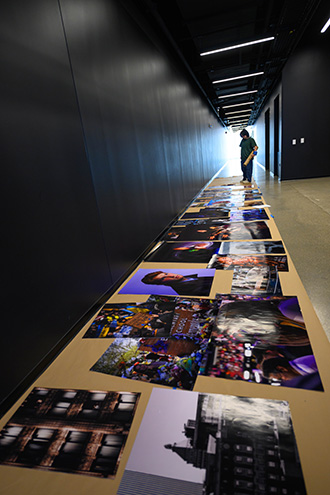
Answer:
(210, 444)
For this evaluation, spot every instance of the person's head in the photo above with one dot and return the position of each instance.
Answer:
(278, 368)
(244, 134)
(161, 278)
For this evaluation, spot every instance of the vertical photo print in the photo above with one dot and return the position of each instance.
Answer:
(208, 444)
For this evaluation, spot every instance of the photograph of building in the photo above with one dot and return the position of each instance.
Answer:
(227, 445)
(75, 431)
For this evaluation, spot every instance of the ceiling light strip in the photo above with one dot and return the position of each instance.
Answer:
(246, 119)
(238, 77)
(238, 94)
(238, 111)
(241, 45)
(326, 25)
(237, 116)
(239, 104)
(238, 120)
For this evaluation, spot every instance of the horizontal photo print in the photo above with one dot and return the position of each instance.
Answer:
(170, 281)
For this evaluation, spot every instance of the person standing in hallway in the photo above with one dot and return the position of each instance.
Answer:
(248, 145)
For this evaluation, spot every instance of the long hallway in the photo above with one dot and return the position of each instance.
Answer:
(247, 356)
(301, 209)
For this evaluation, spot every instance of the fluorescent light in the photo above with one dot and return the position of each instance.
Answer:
(236, 115)
(237, 46)
(239, 77)
(239, 104)
(238, 120)
(326, 25)
(238, 111)
(239, 117)
(238, 94)
(244, 122)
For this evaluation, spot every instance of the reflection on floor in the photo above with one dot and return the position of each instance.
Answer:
(301, 209)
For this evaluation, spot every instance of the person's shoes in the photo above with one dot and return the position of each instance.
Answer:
(246, 181)
(241, 181)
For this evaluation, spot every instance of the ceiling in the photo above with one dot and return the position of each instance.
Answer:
(197, 26)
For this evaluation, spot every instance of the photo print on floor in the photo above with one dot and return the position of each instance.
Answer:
(262, 340)
(159, 316)
(207, 213)
(170, 281)
(231, 261)
(173, 362)
(205, 444)
(220, 231)
(184, 252)
(72, 431)
(248, 215)
(259, 280)
(252, 247)
(154, 317)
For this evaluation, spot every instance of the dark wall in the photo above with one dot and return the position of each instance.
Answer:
(260, 132)
(147, 133)
(105, 140)
(54, 257)
(306, 103)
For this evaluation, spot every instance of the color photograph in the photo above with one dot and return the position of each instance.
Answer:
(233, 203)
(171, 362)
(230, 261)
(207, 213)
(248, 215)
(184, 252)
(211, 444)
(229, 203)
(262, 340)
(253, 247)
(224, 231)
(72, 431)
(159, 316)
(170, 281)
(148, 319)
(199, 221)
(194, 317)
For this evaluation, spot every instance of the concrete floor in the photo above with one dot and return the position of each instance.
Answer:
(301, 210)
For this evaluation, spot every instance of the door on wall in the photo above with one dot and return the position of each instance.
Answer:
(267, 145)
(276, 133)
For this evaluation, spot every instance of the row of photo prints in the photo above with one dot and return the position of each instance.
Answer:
(187, 442)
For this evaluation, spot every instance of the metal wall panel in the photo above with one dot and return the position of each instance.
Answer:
(54, 261)
(146, 127)
(306, 100)
(106, 140)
